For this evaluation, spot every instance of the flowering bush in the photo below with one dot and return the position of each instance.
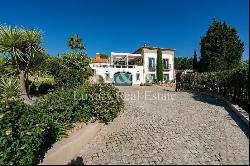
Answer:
(105, 100)
(25, 130)
(232, 84)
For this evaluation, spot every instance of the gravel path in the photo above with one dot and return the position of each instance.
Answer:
(161, 127)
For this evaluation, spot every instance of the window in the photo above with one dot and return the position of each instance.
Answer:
(137, 76)
(165, 63)
(107, 76)
(151, 63)
(166, 77)
(150, 78)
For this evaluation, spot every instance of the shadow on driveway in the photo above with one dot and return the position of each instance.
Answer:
(231, 115)
(77, 161)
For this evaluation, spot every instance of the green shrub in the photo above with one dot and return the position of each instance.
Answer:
(69, 78)
(65, 108)
(53, 66)
(232, 84)
(24, 131)
(102, 101)
(44, 88)
(70, 70)
(105, 101)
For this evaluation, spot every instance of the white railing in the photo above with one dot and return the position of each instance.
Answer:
(168, 67)
(151, 67)
(113, 66)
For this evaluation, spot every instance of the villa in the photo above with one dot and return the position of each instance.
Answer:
(134, 68)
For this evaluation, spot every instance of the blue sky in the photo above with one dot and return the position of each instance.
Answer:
(125, 25)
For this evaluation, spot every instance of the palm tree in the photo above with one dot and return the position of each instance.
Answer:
(75, 43)
(23, 46)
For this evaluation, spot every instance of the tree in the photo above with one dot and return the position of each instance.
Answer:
(75, 43)
(245, 63)
(69, 70)
(195, 62)
(221, 48)
(104, 56)
(183, 63)
(159, 69)
(23, 46)
(6, 67)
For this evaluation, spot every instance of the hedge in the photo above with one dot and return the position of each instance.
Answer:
(232, 84)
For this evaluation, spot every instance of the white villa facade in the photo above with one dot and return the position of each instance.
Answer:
(134, 68)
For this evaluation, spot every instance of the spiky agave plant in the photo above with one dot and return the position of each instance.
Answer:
(9, 88)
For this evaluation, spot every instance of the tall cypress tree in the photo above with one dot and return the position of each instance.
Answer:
(159, 69)
(195, 62)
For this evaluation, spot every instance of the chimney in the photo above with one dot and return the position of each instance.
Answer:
(145, 45)
(97, 56)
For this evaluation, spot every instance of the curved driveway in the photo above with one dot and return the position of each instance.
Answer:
(161, 127)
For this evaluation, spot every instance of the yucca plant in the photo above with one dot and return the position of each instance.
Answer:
(9, 88)
(6, 67)
(23, 46)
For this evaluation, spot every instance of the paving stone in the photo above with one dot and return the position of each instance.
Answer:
(190, 129)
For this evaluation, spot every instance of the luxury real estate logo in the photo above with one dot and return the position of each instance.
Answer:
(137, 95)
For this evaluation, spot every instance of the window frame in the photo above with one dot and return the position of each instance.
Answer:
(165, 66)
(151, 65)
(164, 78)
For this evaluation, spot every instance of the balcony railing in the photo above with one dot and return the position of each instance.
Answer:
(167, 67)
(151, 68)
(113, 66)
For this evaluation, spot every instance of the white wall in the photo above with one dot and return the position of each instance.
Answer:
(171, 62)
(101, 71)
(146, 63)
(164, 56)
(143, 70)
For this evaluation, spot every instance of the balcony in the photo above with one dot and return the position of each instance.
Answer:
(151, 68)
(167, 67)
(113, 66)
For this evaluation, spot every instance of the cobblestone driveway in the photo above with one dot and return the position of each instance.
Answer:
(175, 128)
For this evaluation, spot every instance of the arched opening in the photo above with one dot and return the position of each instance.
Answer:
(123, 79)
